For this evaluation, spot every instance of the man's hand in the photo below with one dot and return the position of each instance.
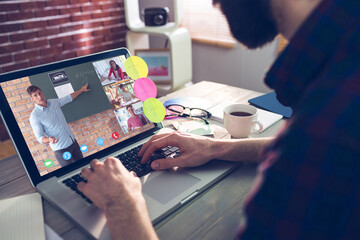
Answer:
(194, 150)
(85, 88)
(197, 150)
(53, 140)
(80, 91)
(47, 140)
(118, 192)
(108, 183)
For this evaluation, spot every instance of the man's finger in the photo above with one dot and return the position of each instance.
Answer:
(148, 143)
(160, 142)
(114, 161)
(133, 173)
(85, 172)
(95, 164)
(81, 186)
(155, 145)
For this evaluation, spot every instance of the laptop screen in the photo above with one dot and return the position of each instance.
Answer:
(61, 125)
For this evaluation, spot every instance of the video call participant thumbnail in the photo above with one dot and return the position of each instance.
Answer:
(115, 71)
(50, 127)
(136, 120)
(124, 92)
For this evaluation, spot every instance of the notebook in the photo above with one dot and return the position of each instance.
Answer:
(269, 102)
(96, 122)
(22, 217)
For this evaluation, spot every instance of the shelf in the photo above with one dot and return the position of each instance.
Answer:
(178, 38)
(140, 27)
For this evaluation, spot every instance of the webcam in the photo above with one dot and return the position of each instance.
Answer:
(156, 16)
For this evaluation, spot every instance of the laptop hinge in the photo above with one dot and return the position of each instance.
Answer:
(188, 198)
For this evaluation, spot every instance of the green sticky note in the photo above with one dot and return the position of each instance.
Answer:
(154, 110)
(136, 67)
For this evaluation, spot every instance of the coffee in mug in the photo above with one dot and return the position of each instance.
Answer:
(240, 120)
(240, 114)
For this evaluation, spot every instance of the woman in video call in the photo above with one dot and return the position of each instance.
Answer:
(115, 72)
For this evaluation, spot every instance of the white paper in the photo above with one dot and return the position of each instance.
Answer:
(64, 90)
(197, 127)
(22, 218)
(268, 118)
(217, 111)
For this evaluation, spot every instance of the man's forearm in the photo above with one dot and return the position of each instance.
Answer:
(130, 223)
(80, 91)
(45, 140)
(242, 150)
(76, 94)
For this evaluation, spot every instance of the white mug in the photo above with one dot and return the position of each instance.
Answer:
(240, 120)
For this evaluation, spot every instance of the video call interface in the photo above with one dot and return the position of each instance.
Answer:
(105, 115)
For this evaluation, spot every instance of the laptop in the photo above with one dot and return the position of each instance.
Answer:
(98, 120)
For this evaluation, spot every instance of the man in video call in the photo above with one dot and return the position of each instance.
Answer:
(136, 120)
(308, 178)
(50, 127)
(124, 92)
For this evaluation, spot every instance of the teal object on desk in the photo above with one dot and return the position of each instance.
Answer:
(269, 102)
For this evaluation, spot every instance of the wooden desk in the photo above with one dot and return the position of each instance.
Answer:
(7, 149)
(215, 214)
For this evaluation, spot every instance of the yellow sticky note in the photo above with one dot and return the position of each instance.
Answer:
(136, 67)
(154, 110)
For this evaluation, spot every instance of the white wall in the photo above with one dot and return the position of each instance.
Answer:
(238, 67)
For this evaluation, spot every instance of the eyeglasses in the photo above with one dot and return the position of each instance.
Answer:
(177, 110)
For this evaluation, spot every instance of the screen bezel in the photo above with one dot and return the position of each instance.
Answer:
(16, 134)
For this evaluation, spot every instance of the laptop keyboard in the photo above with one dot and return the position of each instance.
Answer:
(132, 163)
(72, 182)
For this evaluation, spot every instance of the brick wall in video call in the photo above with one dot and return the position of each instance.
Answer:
(86, 130)
(36, 32)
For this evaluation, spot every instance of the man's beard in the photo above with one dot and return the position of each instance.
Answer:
(251, 21)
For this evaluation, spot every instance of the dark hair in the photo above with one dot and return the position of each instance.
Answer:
(117, 66)
(130, 106)
(251, 21)
(32, 89)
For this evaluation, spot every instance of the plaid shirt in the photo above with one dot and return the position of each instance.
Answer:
(308, 184)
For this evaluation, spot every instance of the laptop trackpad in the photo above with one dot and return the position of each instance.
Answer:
(168, 185)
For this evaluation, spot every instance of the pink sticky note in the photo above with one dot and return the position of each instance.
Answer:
(145, 88)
